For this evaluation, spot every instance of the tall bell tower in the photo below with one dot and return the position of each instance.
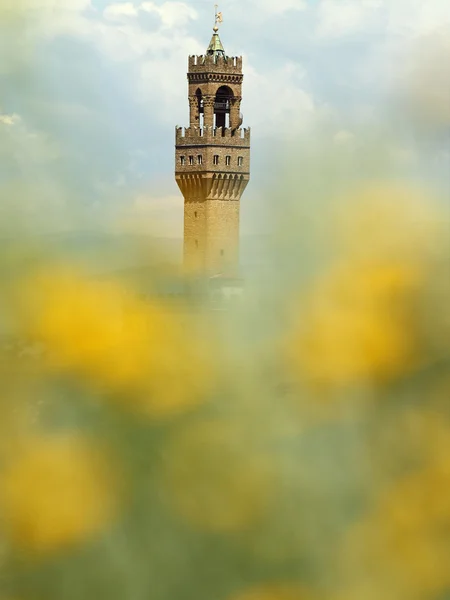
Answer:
(213, 161)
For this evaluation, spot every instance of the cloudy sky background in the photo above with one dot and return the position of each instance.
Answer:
(91, 91)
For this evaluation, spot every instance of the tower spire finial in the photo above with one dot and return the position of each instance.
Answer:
(215, 47)
(218, 18)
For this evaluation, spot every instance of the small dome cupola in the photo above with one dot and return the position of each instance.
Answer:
(215, 47)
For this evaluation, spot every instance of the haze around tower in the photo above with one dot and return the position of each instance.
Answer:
(112, 71)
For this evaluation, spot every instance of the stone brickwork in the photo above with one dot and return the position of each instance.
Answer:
(211, 236)
(212, 164)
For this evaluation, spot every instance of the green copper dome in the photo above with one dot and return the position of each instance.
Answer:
(215, 47)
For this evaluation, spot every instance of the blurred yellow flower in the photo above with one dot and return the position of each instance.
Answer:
(214, 479)
(357, 325)
(57, 490)
(115, 340)
(276, 591)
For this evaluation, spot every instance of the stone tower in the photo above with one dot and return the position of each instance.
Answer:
(213, 162)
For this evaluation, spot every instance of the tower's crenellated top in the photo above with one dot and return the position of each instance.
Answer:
(212, 63)
(191, 136)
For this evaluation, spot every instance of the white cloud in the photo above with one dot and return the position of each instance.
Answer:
(416, 17)
(122, 9)
(280, 6)
(9, 120)
(172, 14)
(275, 101)
(338, 18)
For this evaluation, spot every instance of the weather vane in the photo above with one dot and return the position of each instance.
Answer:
(218, 18)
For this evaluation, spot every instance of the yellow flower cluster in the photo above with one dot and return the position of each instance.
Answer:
(358, 321)
(357, 326)
(118, 342)
(56, 491)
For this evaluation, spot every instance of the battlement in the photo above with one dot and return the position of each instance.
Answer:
(188, 136)
(215, 64)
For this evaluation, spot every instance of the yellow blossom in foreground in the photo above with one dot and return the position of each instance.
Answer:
(275, 591)
(114, 340)
(357, 325)
(57, 491)
(214, 480)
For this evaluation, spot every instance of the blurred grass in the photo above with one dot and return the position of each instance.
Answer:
(292, 447)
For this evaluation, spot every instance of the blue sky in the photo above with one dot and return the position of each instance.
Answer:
(91, 91)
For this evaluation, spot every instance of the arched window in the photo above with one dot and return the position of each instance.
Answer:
(228, 160)
(222, 106)
(216, 159)
(240, 161)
